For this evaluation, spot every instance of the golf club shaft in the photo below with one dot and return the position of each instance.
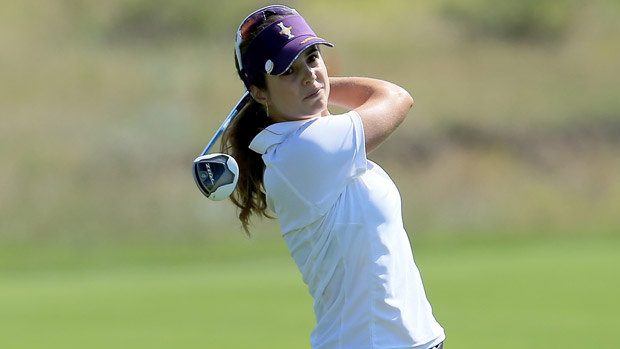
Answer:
(246, 97)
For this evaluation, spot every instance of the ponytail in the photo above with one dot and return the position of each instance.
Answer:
(249, 195)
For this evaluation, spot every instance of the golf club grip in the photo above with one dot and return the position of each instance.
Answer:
(246, 97)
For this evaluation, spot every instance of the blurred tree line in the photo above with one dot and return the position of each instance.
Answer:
(105, 104)
(531, 20)
(159, 20)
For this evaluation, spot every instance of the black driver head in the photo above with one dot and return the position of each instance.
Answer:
(216, 175)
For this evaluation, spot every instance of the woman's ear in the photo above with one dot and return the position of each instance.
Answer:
(260, 95)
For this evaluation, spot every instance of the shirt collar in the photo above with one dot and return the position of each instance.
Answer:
(274, 134)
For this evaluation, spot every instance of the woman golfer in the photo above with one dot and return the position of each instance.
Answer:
(340, 213)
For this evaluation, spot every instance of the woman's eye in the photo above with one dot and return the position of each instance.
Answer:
(313, 57)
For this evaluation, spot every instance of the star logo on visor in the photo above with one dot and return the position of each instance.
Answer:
(286, 30)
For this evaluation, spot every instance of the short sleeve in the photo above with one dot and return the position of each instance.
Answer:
(319, 159)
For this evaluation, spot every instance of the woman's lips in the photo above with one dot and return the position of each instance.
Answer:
(314, 93)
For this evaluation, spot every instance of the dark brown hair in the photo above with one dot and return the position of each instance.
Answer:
(249, 196)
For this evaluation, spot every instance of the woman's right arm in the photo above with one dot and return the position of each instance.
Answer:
(381, 105)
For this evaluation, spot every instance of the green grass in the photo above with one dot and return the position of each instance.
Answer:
(538, 293)
(150, 298)
(515, 293)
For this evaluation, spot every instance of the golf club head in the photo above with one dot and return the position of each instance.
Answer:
(216, 175)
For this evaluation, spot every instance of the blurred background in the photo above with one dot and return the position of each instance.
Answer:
(509, 168)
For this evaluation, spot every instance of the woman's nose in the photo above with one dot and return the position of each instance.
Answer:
(309, 74)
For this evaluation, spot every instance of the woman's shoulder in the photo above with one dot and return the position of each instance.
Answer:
(274, 134)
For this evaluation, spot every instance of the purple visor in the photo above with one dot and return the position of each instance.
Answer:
(277, 46)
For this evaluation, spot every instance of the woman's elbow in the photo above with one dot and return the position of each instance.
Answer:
(403, 99)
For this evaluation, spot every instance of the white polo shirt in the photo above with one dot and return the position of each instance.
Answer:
(341, 219)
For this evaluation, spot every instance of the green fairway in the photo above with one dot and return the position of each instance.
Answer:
(522, 293)
(192, 306)
(552, 293)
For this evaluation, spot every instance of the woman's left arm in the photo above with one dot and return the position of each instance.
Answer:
(381, 105)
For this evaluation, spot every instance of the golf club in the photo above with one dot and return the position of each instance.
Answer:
(216, 175)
